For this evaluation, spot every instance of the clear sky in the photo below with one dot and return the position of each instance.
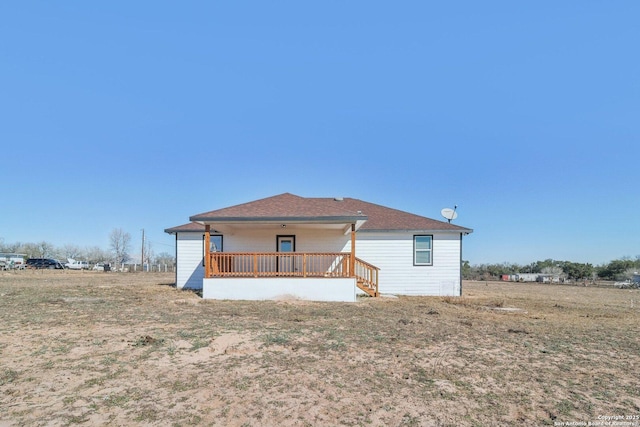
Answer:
(139, 114)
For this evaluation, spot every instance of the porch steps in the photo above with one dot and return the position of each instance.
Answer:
(369, 291)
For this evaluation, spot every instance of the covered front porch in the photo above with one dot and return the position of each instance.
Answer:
(285, 246)
(315, 275)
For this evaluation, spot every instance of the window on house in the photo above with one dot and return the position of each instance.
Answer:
(215, 244)
(422, 250)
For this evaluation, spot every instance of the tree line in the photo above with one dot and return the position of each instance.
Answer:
(619, 269)
(119, 251)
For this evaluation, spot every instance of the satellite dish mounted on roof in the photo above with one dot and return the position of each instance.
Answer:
(449, 213)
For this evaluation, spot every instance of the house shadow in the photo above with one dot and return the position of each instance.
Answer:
(194, 282)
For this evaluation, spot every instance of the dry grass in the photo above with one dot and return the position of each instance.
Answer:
(79, 348)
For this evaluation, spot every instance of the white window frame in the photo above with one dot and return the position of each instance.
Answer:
(416, 250)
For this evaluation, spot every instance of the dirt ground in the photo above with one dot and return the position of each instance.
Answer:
(85, 348)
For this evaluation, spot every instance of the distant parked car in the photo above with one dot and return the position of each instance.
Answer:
(77, 265)
(102, 266)
(40, 263)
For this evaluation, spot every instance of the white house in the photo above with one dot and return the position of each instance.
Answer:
(326, 249)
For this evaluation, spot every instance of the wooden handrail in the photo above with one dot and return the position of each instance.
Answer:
(267, 264)
(367, 276)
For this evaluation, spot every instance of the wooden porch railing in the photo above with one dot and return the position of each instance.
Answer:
(293, 264)
(367, 275)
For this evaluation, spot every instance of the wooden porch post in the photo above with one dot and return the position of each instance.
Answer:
(352, 263)
(207, 246)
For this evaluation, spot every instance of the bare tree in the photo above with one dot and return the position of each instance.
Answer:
(96, 254)
(71, 251)
(29, 249)
(45, 249)
(148, 253)
(13, 247)
(9, 247)
(165, 258)
(120, 241)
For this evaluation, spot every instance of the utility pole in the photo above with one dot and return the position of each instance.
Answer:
(142, 252)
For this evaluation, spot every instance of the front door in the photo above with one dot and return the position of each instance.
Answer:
(285, 263)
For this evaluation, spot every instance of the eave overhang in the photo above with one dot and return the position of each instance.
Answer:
(464, 231)
(281, 219)
(222, 223)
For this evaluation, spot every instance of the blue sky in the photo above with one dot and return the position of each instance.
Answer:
(136, 115)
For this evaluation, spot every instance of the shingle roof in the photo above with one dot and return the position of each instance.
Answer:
(285, 205)
(384, 218)
(192, 226)
(288, 206)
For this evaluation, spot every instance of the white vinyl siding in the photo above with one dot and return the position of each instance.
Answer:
(393, 253)
(307, 240)
(189, 269)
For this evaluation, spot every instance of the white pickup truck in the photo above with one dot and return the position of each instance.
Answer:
(76, 265)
